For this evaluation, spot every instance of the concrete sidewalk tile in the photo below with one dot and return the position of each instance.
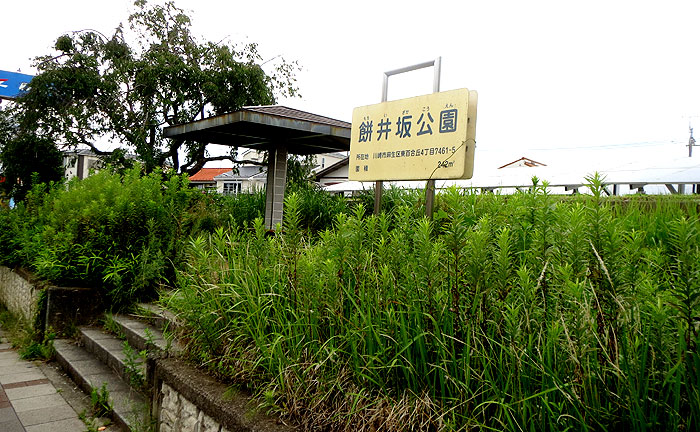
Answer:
(13, 426)
(69, 425)
(18, 368)
(7, 414)
(10, 362)
(27, 376)
(30, 391)
(9, 355)
(26, 383)
(46, 415)
(38, 402)
(37, 381)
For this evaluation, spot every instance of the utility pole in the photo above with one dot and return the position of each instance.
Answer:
(691, 143)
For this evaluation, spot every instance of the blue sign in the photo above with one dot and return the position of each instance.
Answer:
(13, 83)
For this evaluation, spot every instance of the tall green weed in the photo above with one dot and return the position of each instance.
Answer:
(523, 312)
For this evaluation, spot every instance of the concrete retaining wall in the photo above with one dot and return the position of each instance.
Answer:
(67, 307)
(19, 293)
(61, 308)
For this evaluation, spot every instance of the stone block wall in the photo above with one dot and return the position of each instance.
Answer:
(179, 414)
(18, 293)
(185, 399)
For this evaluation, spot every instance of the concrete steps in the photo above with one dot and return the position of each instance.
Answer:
(156, 316)
(144, 336)
(119, 360)
(130, 406)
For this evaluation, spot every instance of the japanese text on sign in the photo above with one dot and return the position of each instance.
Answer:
(417, 138)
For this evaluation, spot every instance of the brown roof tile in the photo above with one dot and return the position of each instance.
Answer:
(295, 114)
(208, 174)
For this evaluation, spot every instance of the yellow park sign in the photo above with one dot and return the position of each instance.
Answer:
(419, 138)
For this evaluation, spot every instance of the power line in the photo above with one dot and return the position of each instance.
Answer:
(625, 145)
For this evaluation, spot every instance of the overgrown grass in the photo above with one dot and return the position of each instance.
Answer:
(524, 312)
(31, 345)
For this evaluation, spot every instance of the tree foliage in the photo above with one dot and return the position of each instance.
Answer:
(152, 72)
(26, 158)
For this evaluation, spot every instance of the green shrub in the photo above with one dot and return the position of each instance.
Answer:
(122, 234)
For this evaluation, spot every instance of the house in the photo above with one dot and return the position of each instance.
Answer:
(523, 162)
(204, 178)
(244, 179)
(326, 160)
(333, 174)
(252, 155)
(319, 161)
(251, 177)
(79, 163)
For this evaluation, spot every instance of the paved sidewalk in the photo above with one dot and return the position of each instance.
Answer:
(28, 400)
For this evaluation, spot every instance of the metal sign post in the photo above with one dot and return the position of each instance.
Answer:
(430, 185)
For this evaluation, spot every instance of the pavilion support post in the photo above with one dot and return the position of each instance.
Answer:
(276, 182)
(429, 198)
(378, 189)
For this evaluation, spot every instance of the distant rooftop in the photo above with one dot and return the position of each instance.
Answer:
(207, 174)
(523, 162)
(243, 172)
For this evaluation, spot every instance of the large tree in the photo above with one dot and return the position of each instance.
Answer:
(150, 73)
(28, 159)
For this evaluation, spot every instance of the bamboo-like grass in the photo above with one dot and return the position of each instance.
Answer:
(522, 313)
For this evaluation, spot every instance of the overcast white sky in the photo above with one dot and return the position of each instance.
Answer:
(591, 75)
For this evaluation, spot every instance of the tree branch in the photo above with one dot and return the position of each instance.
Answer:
(94, 149)
(195, 165)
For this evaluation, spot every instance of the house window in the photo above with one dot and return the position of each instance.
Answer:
(232, 188)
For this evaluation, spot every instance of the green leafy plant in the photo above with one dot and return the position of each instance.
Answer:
(32, 345)
(133, 365)
(100, 401)
(43, 350)
(112, 326)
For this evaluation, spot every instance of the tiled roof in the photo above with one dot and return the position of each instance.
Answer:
(295, 114)
(208, 174)
(266, 127)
